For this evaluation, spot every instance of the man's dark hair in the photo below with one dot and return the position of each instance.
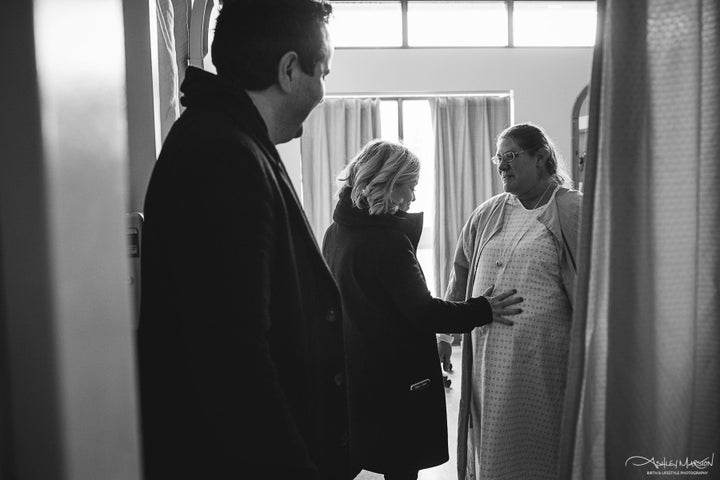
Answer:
(252, 35)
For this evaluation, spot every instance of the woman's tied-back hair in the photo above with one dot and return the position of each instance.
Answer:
(373, 173)
(252, 35)
(532, 138)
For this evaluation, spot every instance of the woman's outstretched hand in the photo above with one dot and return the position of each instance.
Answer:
(500, 304)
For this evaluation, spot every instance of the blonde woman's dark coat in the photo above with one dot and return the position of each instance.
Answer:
(395, 390)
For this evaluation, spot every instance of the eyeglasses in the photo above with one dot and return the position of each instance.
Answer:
(506, 157)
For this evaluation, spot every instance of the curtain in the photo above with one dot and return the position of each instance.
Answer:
(644, 376)
(465, 132)
(173, 24)
(333, 133)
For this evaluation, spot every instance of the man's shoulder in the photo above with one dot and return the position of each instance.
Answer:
(215, 140)
(208, 125)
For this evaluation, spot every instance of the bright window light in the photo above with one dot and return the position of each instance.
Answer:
(366, 24)
(554, 24)
(420, 139)
(457, 24)
(207, 61)
(418, 136)
(389, 120)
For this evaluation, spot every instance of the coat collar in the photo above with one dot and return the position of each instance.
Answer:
(346, 214)
(203, 89)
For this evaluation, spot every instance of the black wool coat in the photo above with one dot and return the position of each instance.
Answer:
(240, 338)
(395, 389)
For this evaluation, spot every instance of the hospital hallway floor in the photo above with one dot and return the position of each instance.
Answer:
(446, 471)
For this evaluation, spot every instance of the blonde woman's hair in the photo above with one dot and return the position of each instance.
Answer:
(374, 172)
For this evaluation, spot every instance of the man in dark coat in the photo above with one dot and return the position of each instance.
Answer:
(240, 343)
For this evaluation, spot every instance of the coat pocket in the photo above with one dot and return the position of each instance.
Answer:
(420, 386)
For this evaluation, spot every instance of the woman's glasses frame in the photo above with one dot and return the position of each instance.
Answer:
(507, 157)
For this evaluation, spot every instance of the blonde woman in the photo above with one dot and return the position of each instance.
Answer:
(395, 391)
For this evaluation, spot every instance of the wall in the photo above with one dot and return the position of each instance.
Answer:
(67, 369)
(545, 81)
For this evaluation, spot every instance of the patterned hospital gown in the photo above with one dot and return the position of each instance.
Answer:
(519, 371)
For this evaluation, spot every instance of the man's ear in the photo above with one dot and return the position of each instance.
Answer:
(288, 69)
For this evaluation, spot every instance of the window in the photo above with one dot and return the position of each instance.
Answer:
(416, 132)
(419, 137)
(366, 24)
(408, 119)
(207, 61)
(457, 24)
(563, 24)
(389, 120)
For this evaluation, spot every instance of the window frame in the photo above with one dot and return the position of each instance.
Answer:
(509, 6)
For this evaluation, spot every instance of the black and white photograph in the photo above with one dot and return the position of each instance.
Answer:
(360, 239)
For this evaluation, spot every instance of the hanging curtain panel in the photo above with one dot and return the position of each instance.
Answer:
(333, 133)
(644, 389)
(173, 21)
(465, 132)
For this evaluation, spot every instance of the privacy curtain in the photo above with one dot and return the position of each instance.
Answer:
(465, 132)
(333, 133)
(644, 378)
(173, 26)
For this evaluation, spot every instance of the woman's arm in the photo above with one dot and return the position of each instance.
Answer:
(401, 277)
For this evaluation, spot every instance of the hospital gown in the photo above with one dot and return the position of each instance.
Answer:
(519, 371)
